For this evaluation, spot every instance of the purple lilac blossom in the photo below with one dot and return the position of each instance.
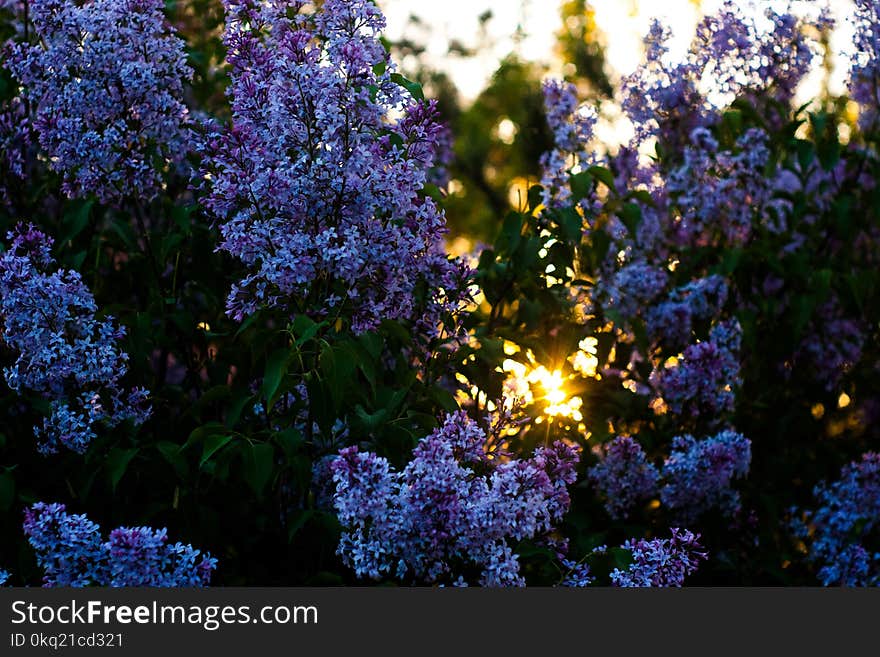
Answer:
(452, 506)
(572, 126)
(671, 321)
(577, 574)
(668, 100)
(865, 65)
(703, 381)
(718, 192)
(836, 532)
(624, 476)
(631, 288)
(698, 474)
(833, 345)
(661, 562)
(64, 353)
(106, 79)
(317, 185)
(72, 552)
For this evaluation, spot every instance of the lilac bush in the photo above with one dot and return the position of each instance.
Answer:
(64, 353)
(451, 509)
(72, 552)
(317, 180)
(106, 82)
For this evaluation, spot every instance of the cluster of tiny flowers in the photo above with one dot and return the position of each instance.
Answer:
(572, 125)
(577, 574)
(17, 142)
(631, 288)
(4, 577)
(624, 476)
(668, 100)
(865, 67)
(661, 562)
(703, 380)
(698, 474)
(671, 322)
(64, 353)
(72, 552)
(318, 185)
(833, 344)
(718, 192)
(106, 78)
(836, 532)
(451, 507)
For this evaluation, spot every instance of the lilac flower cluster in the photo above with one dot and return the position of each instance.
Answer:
(698, 474)
(833, 344)
(572, 125)
(624, 476)
(671, 321)
(72, 552)
(64, 353)
(703, 381)
(669, 100)
(451, 508)
(864, 77)
(632, 287)
(316, 181)
(661, 562)
(17, 147)
(848, 514)
(106, 79)
(577, 574)
(718, 192)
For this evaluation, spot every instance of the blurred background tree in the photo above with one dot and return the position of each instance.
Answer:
(500, 135)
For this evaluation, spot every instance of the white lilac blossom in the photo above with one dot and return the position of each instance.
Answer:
(72, 552)
(63, 352)
(318, 179)
(624, 476)
(452, 510)
(838, 531)
(106, 79)
(661, 562)
(698, 474)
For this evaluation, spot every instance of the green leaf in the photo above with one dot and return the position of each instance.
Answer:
(76, 218)
(173, 454)
(603, 175)
(581, 185)
(259, 459)
(117, 463)
(213, 444)
(301, 519)
(631, 215)
(413, 87)
(276, 368)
